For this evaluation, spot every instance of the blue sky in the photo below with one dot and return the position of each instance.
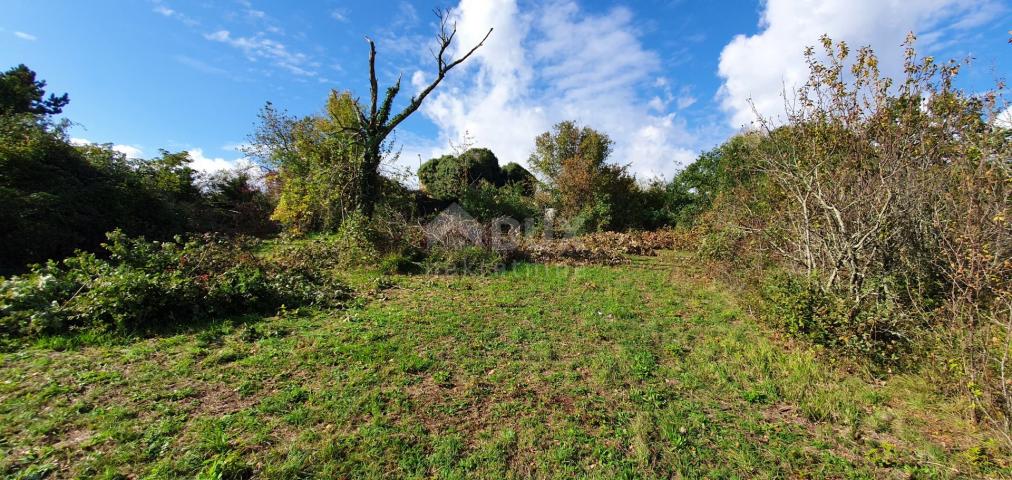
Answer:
(666, 79)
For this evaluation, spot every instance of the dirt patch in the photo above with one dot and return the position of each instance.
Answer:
(73, 439)
(220, 399)
(435, 403)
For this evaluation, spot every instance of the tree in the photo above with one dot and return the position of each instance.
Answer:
(716, 172)
(59, 197)
(567, 142)
(376, 124)
(570, 160)
(237, 204)
(21, 93)
(887, 203)
(448, 177)
(318, 161)
(515, 174)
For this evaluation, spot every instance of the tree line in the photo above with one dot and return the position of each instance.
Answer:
(59, 197)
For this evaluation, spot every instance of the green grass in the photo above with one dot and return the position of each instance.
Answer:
(639, 371)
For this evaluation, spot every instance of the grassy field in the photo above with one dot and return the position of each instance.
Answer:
(639, 371)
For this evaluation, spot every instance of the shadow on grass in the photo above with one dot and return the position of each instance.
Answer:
(208, 330)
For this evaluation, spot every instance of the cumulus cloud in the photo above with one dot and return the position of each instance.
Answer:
(200, 161)
(26, 36)
(761, 66)
(206, 164)
(130, 151)
(553, 63)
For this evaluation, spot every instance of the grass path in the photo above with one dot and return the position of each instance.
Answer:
(637, 371)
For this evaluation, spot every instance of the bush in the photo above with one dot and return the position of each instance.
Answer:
(796, 305)
(607, 248)
(888, 201)
(449, 177)
(882, 332)
(149, 285)
(514, 174)
(403, 263)
(486, 202)
(318, 164)
(355, 241)
(237, 205)
(470, 260)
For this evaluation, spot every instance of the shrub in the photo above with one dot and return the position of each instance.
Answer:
(237, 205)
(148, 285)
(449, 177)
(722, 243)
(607, 248)
(317, 164)
(401, 263)
(471, 260)
(486, 202)
(882, 332)
(316, 254)
(796, 305)
(355, 241)
(514, 174)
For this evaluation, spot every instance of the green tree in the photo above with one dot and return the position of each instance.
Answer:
(20, 92)
(318, 161)
(237, 204)
(449, 177)
(515, 174)
(571, 161)
(718, 171)
(568, 142)
(58, 197)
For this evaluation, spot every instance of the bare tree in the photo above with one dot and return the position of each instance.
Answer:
(840, 189)
(376, 124)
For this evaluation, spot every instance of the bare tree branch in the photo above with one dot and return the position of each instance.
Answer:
(442, 67)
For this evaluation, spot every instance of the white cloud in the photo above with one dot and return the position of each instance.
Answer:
(207, 164)
(550, 64)
(202, 66)
(685, 100)
(130, 151)
(200, 161)
(761, 66)
(26, 36)
(339, 14)
(170, 13)
(1004, 118)
(259, 47)
(163, 10)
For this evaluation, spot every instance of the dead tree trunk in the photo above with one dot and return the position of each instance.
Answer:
(376, 124)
